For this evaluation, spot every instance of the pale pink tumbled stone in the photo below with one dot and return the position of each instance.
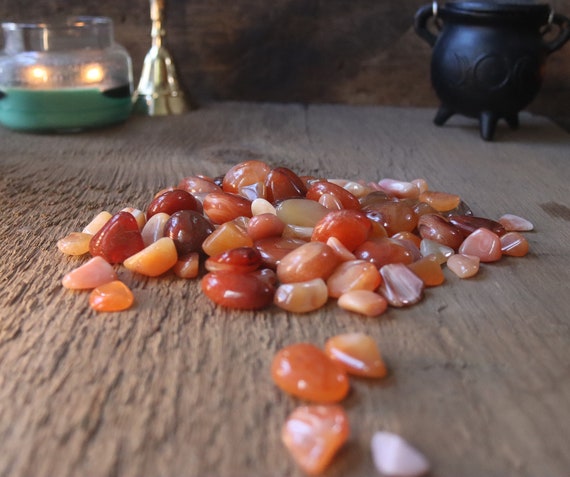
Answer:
(393, 456)
(401, 286)
(91, 274)
(364, 302)
(400, 189)
(483, 244)
(464, 266)
(514, 223)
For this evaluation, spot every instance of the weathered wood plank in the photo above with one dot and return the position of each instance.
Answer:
(176, 386)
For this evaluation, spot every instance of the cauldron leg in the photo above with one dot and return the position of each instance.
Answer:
(512, 120)
(442, 115)
(487, 124)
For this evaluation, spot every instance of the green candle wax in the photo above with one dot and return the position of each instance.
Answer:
(62, 109)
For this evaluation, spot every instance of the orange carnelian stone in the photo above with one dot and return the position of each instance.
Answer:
(382, 251)
(112, 296)
(225, 237)
(429, 270)
(357, 353)
(349, 226)
(441, 201)
(310, 260)
(514, 244)
(154, 260)
(305, 371)
(393, 216)
(244, 174)
(314, 434)
(347, 200)
(221, 207)
(188, 266)
(410, 236)
(243, 291)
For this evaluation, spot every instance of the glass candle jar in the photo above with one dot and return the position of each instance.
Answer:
(63, 77)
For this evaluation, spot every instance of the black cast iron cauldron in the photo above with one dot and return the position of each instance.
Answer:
(488, 58)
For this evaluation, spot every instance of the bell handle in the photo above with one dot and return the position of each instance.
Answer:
(563, 24)
(421, 22)
(157, 18)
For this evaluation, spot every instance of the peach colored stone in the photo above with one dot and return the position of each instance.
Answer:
(464, 266)
(365, 302)
(514, 244)
(358, 353)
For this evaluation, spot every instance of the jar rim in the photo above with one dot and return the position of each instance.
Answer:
(73, 22)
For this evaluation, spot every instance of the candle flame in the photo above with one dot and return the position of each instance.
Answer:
(39, 74)
(93, 74)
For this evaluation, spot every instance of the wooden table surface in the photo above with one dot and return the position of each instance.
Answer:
(479, 370)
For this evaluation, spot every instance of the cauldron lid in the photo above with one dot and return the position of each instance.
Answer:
(505, 7)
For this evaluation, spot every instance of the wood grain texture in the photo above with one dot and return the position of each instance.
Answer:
(479, 371)
(308, 51)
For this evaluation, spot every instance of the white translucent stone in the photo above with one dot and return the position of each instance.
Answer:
(431, 247)
(261, 206)
(393, 456)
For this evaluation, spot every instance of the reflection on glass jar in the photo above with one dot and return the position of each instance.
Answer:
(63, 77)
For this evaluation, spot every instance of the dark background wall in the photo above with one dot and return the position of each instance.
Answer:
(339, 51)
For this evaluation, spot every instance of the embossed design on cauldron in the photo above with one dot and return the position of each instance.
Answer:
(488, 58)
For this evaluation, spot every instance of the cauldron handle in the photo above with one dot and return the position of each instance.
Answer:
(420, 22)
(564, 34)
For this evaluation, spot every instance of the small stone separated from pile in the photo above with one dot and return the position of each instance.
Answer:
(313, 433)
(268, 236)
(394, 457)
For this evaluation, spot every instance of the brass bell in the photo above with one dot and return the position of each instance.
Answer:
(158, 92)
